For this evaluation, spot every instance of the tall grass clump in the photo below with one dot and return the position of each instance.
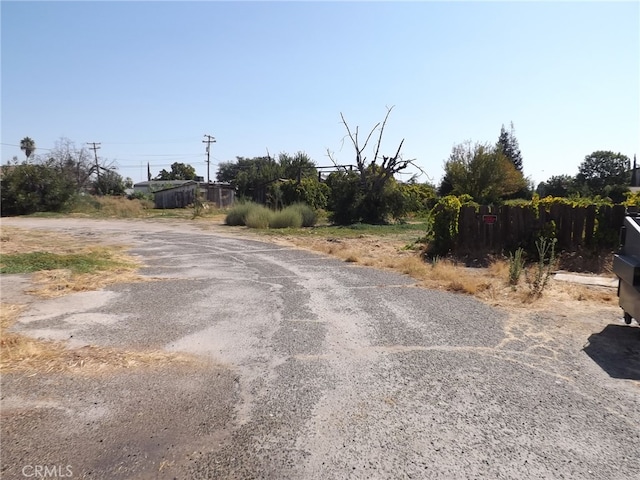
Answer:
(308, 214)
(258, 216)
(86, 204)
(237, 215)
(109, 206)
(516, 266)
(254, 215)
(287, 218)
(122, 207)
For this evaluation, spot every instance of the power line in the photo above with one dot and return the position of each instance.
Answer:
(167, 142)
(155, 165)
(168, 154)
(12, 145)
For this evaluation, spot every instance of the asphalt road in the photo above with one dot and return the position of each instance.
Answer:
(315, 369)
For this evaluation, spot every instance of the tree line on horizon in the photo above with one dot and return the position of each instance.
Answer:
(366, 191)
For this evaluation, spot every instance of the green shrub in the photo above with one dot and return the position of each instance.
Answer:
(309, 191)
(632, 199)
(254, 215)
(418, 197)
(346, 197)
(141, 196)
(30, 188)
(258, 216)
(238, 213)
(309, 215)
(287, 218)
(443, 224)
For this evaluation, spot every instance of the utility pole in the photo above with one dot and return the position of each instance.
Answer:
(209, 140)
(95, 148)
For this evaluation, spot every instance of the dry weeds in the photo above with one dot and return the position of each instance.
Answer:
(55, 283)
(19, 240)
(490, 285)
(22, 354)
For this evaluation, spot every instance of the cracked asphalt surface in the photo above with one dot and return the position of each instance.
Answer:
(315, 369)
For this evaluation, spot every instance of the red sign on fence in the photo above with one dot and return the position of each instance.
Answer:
(489, 219)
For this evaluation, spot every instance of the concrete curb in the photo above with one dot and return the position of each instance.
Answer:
(586, 279)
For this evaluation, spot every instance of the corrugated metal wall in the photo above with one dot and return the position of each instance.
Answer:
(178, 197)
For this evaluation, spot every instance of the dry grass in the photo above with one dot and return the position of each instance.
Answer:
(55, 283)
(27, 355)
(122, 207)
(490, 285)
(19, 240)
(111, 206)
(23, 354)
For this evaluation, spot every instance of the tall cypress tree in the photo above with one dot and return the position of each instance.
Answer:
(508, 145)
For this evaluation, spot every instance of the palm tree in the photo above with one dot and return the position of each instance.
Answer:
(28, 146)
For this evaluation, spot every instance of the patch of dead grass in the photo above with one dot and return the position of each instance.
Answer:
(22, 354)
(55, 283)
(490, 285)
(122, 207)
(19, 240)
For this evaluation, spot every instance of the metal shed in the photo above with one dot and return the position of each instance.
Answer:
(176, 197)
(222, 194)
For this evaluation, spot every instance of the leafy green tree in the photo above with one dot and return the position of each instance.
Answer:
(445, 188)
(483, 172)
(308, 190)
(508, 145)
(251, 176)
(179, 171)
(297, 167)
(603, 169)
(261, 178)
(29, 188)
(617, 193)
(417, 197)
(28, 146)
(558, 186)
(346, 198)
(110, 182)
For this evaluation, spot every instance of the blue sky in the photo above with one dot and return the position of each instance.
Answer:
(149, 79)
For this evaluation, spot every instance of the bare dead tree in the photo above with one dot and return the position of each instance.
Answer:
(371, 201)
(374, 173)
(76, 163)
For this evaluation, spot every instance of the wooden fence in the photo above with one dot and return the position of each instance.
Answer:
(505, 228)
